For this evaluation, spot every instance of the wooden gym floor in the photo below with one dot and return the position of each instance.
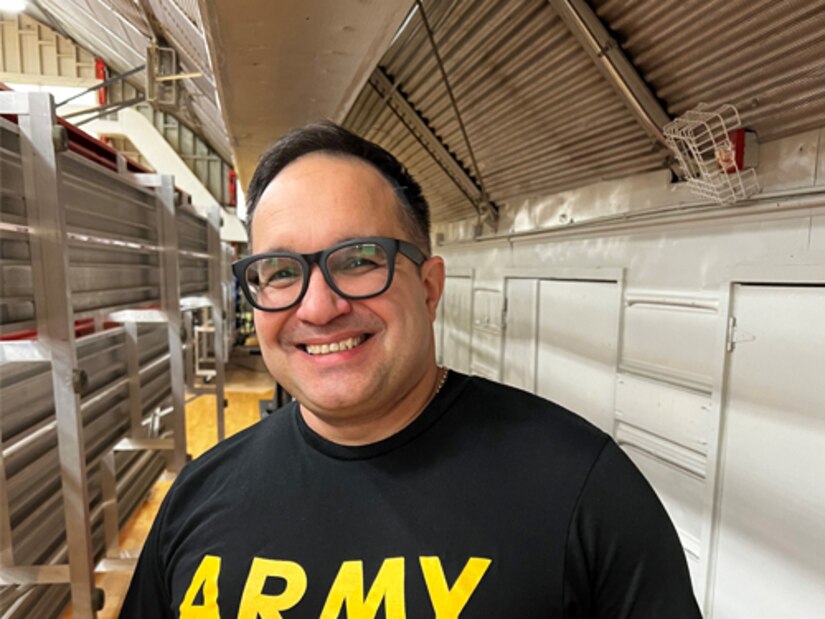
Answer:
(247, 382)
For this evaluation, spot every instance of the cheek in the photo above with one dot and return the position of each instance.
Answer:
(407, 311)
(268, 324)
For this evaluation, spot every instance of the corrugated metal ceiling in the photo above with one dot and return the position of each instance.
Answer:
(376, 121)
(765, 57)
(119, 32)
(541, 118)
(539, 115)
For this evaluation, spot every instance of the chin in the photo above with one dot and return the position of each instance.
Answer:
(330, 402)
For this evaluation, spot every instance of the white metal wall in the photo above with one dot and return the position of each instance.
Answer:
(656, 381)
(771, 498)
(558, 327)
(454, 320)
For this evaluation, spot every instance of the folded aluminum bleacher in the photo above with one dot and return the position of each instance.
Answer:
(96, 256)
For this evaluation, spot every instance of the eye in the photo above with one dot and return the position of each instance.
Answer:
(354, 263)
(279, 274)
(358, 259)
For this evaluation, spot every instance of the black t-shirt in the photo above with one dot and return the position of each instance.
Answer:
(493, 503)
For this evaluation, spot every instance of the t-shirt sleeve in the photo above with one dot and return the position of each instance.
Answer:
(624, 559)
(148, 594)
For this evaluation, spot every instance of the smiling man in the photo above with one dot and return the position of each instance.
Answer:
(363, 368)
(392, 487)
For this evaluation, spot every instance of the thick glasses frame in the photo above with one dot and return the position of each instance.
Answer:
(392, 247)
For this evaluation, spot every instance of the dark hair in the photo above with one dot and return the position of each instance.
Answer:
(328, 138)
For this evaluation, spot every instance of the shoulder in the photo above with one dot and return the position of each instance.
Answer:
(526, 434)
(623, 552)
(513, 410)
(231, 464)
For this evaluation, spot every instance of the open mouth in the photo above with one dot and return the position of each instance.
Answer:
(333, 347)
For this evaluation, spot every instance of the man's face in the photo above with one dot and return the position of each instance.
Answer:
(315, 202)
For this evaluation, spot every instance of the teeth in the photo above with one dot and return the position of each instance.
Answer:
(325, 349)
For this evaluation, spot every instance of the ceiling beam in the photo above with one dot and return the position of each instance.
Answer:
(422, 132)
(608, 56)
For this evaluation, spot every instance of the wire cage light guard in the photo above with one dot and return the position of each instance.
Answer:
(701, 141)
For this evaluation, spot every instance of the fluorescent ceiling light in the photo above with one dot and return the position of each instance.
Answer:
(12, 6)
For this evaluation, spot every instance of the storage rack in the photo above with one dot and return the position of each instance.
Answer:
(94, 262)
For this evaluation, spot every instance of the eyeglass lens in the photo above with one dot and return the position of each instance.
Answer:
(358, 270)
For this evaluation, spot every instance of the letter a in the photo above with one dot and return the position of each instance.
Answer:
(348, 588)
(448, 603)
(255, 604)
(206, 578)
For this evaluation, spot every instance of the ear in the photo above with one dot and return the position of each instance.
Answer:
(433, 277)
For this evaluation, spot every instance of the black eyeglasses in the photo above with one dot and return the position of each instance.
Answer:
(356, 269)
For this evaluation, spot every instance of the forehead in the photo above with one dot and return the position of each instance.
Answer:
(320, 199)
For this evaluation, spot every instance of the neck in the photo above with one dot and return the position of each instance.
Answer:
(377, 424)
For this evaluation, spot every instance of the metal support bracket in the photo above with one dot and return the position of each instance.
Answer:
(55, 328)
(104, 84)
(111, 108)
(170, 305)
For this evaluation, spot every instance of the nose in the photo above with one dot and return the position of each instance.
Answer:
(321, 304)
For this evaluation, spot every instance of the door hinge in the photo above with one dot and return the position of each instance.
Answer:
(736, 335)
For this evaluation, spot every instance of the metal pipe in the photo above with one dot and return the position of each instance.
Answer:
(422, 133)
(107, 109)
(492, 208)
(586, 26)
(104, 84)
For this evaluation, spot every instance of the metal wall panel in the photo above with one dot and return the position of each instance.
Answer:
(539, 114)
(184, 31)
(112, 225)
(678, 415)
(772, 533)
(656, 326)
(108, 277)
(520, 334)
(487, 331)
(99, 202)
(577, 344)
(455, 323)
(191, 10)
(671, 338)
(136, 472)
(194, 276)
(121, 32)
